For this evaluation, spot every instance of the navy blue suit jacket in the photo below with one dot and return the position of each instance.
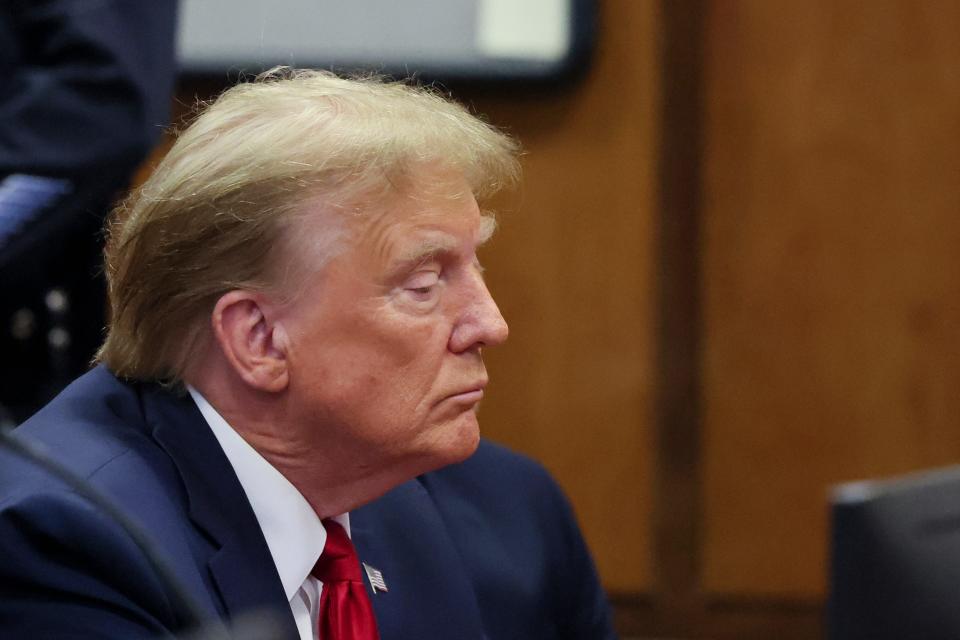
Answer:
(484, 549)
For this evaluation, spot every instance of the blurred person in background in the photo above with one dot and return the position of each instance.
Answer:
(85, 90)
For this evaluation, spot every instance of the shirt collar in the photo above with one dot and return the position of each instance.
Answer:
(294, 533)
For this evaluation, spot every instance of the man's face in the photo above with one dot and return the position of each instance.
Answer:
(384, 344)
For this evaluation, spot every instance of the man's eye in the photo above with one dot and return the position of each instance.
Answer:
(422, 285)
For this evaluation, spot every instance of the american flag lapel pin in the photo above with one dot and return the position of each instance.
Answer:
(376, 579)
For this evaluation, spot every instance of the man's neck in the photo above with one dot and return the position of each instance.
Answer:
(334, 477)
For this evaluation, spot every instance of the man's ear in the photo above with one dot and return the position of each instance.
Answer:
(253, 346)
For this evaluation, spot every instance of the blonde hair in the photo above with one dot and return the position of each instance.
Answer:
(211, 217)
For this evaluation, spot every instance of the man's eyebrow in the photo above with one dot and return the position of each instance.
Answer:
(438, 245)
(488, 226)
(426, 250)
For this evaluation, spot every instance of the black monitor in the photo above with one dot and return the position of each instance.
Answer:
(895, 558)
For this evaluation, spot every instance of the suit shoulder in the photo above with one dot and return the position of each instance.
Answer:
(504, 510)
(495, 461)
(498, 479)
(95, 429)
(501, 458)
(95, 419)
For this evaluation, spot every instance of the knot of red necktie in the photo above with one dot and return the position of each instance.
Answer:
(339, 559)
(345, 609)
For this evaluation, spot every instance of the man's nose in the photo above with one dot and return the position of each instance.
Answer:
(481, 325)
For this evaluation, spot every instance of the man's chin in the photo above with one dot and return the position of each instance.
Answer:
(457, 445)
(469, 445)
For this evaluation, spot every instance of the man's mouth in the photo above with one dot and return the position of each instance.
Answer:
(469, 395)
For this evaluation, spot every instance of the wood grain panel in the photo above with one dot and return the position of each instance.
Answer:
(832, 284)
(572, 268)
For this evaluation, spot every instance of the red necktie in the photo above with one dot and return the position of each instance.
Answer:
(345, 609)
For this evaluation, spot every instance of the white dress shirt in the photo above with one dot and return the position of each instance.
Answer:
(294, 533)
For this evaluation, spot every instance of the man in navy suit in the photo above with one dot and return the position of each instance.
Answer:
(290, 382)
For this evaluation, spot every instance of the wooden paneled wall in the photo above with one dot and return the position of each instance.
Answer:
(831, 270)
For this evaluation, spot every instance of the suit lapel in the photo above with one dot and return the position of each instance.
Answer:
(241, 566)
(403, 536)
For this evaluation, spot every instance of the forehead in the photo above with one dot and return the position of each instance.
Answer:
(438, 216)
